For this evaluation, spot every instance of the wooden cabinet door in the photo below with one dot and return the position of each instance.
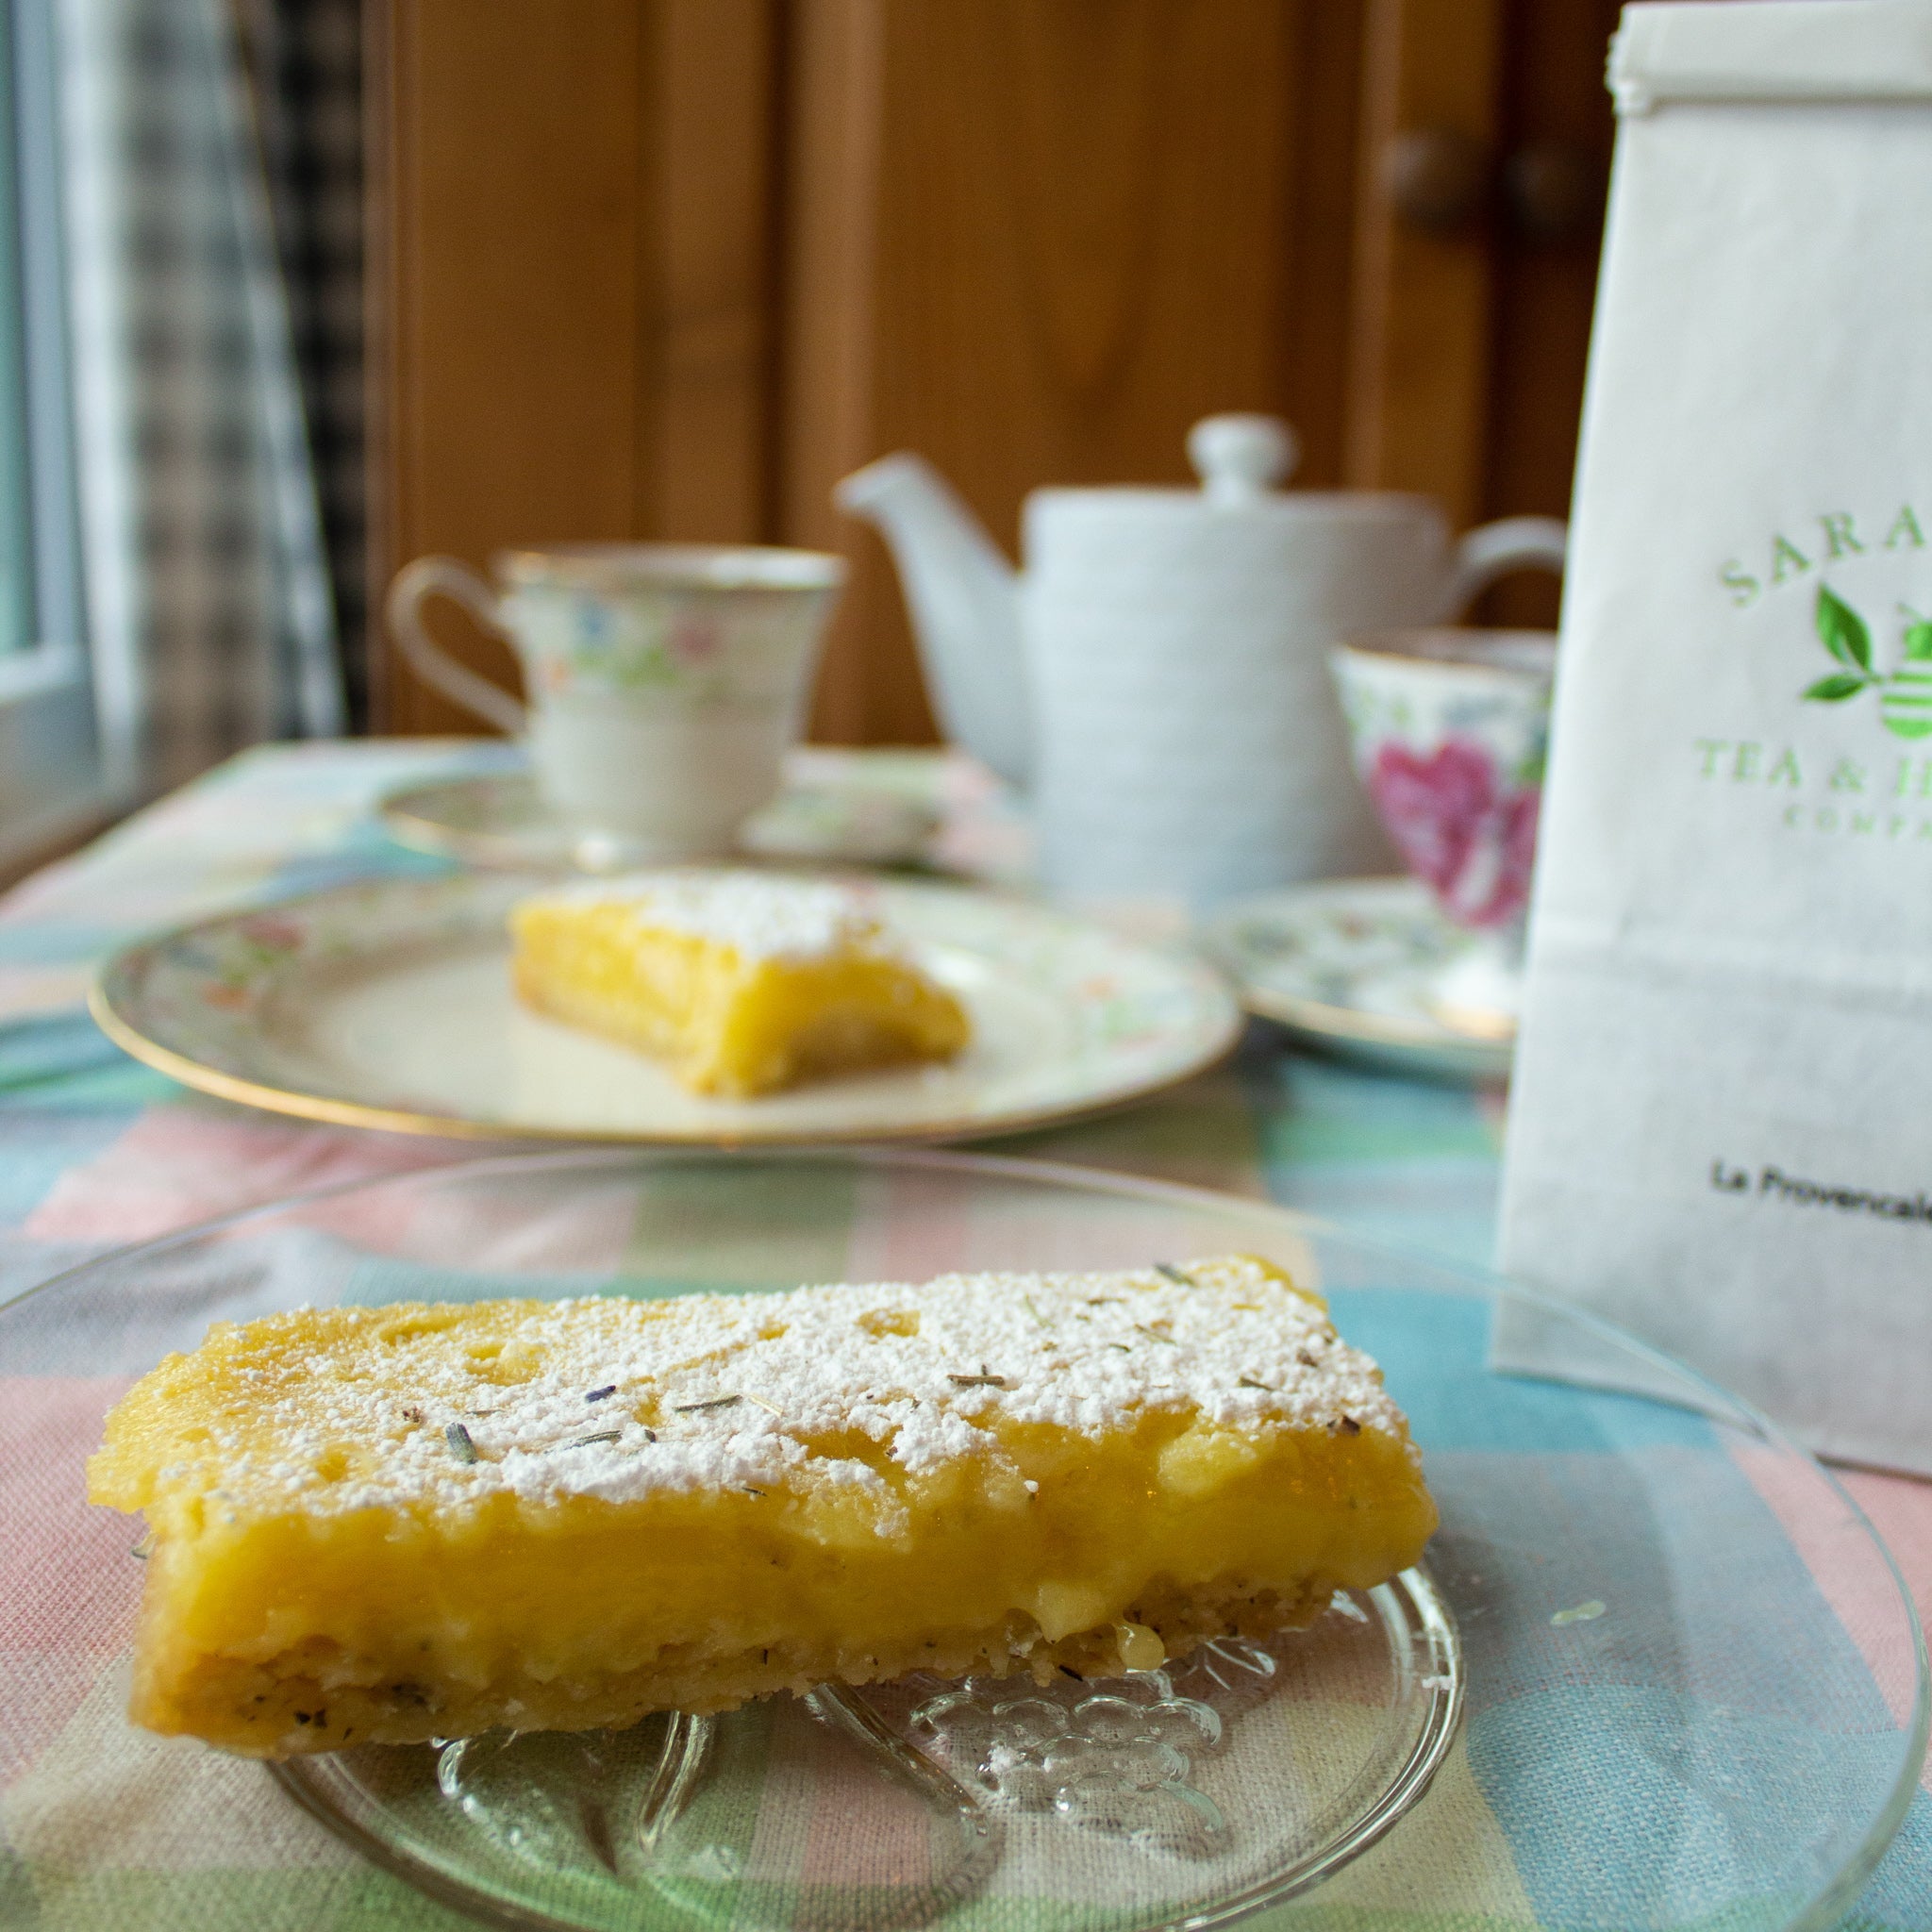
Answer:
(572, 275)
(1485, 134)
(1554, 137)
(673, 267)
(1418, 377)
(1033, 242)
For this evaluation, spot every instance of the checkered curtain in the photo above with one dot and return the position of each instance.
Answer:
(210, 609)
(305, 61)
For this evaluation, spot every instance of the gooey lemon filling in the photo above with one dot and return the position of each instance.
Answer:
(743, 984)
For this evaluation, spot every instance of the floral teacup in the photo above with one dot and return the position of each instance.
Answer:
(665, 680)
(1449, 730)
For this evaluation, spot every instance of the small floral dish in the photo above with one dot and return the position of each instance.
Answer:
(1368, 969)
(387, 1004)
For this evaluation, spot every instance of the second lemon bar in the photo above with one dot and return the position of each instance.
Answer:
(743, 983)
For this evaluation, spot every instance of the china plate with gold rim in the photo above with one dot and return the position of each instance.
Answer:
(387, 1004)
(1356, 966)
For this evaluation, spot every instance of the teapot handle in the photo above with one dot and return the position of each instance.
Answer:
(456, 581)
(1496, 549)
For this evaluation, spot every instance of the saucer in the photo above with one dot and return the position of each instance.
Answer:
(499, 821)
(1368, 969)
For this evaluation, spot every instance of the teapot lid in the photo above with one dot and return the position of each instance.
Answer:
(1238, 459)
(1241, 460)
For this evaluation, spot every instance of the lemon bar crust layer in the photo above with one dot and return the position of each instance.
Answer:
(743, 983)
(426, 1521)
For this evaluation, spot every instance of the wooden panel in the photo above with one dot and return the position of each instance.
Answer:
(1419, 379)
(1545, 286)
(515, 186)
(707, 433)
(673, 267)
(571, 328)
(867, 683)
(1320, 243)
(1034, 243)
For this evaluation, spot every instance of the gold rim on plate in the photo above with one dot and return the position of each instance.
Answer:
(1204, 1036)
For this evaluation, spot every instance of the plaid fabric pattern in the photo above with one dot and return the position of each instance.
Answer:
(209, 594)
(94, 1151)
(305, 62)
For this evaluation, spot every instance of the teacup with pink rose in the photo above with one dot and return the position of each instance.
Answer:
(1449, 730)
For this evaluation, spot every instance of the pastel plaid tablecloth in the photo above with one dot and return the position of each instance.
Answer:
(97, 1152)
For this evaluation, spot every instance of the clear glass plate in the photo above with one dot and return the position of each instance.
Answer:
(1689, 1684)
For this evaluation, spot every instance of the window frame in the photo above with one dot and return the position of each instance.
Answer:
(56, 778)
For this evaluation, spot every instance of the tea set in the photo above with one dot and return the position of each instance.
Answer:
(1220, 699)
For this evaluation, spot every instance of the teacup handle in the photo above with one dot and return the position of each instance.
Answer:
(1496, 549)
(426, 578)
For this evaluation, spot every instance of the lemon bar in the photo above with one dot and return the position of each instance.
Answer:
(428, 1520)
(744, 983)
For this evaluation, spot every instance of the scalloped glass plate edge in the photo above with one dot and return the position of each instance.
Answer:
(352, 1792)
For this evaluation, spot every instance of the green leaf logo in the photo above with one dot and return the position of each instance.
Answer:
(1905, 698)
(1834, 689)
(1842, 631)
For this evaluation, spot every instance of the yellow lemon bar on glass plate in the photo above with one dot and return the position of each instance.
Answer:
(742, 982)
(395, 1524)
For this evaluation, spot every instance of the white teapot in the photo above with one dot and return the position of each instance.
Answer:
(1158, 677)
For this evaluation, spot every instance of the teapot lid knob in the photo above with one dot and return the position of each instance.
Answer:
(1240, 457)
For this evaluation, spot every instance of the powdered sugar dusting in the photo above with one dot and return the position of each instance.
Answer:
(847, 1386)
(759, 915)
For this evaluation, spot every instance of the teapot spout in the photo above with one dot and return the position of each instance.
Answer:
(965, 604)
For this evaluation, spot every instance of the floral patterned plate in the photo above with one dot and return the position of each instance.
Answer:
(1361, 967)
(387, 1004)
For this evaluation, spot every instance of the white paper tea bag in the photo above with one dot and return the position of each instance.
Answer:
(1721, 1134)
